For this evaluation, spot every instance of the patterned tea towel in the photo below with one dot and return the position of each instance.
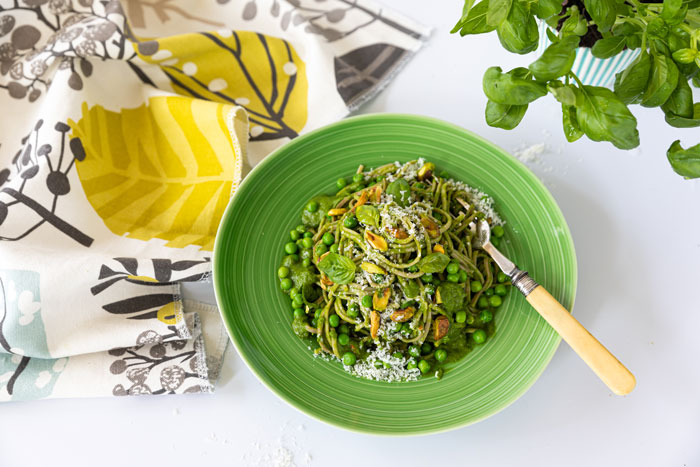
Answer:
(124, 130)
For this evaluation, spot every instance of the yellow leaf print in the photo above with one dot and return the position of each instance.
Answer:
(261, 73)
(169, 314)
(163, 170)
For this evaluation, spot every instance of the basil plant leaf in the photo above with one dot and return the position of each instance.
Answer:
(512, 88)
(664, 79)
(575, 23)
(556, 60)
(685, 55)
(603, 117)
(519, 32)
(465, 15)
(683, 122)
(547, 8)
(368, 215)
(572, 130)
(498, 11)
(603, 13)
(434, 262)
(608, 47)
(475, 22)
(503, 115)
(564, 93)
(685, 162)
(401, 192)
(681, 101)
(340, 269)
(631, 83)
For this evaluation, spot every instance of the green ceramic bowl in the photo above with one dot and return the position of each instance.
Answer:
(256, 225)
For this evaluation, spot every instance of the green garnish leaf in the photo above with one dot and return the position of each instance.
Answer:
(434, 262)
(401, 191)
(368, 215)
(340, 269)
(685, 162)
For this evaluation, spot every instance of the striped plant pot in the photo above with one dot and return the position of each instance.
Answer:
(591, 70)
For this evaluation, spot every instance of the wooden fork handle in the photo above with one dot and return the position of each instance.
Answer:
(598, 358)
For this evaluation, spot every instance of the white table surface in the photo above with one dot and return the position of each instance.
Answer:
(636, 227)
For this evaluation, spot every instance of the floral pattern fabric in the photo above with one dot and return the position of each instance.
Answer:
(126, 128)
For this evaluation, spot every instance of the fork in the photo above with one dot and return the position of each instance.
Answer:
(608, 368)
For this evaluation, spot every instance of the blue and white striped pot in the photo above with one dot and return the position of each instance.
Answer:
(591, 70)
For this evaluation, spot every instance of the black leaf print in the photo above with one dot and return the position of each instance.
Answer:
(75, 81)
(16, 90)
(275, 9)
(286, 18)
(335, 16)
(105, 285)
(250, 10)
(4, 175)
(130, 264)
(137, 304)
(106, 271)
(25, 37)
(359, 72)
(6, 25)
(86, 67)
(172, 377)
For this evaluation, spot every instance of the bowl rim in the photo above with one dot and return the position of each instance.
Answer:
(381, 116)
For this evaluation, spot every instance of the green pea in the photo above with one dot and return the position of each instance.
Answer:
(298, 243)
(321, 249)
(488, 292)
(312, 206)
(453, 277)
(317, 313)
(430, 289)
(299, 313)
(501, 290)
(495, 241)
(283, 272)
(483, 302)
(476, 286)
(461, 316)
(498, 231)
(367, 301)
(353, 313)
(502, 277)
(343, 329)
(440, 355)
(308, 234)
(419, 185)
(386, 365)
(307, 242)
(397, 355)
(354, 308)
(294, 235)
(453, 268)
(328, 238)
(378, 364)
(343, 339)
(334, 248)
(414, 351)
(426, 348)
(413, 269)
(495, 301)
(463, 276)
(470, 320)
(424, 366)
(286, 284)
(298, 299)
(411, 365)
(427, 277)
(357, 178)
(290, 248)
(380, 178)
(479, 336)
(349, 359)
(314, 322)
(334, 320)
(439, 373)
(486, 316)
(306, 262)
(350, 222)
(340, 183)
(301, 229)
(297, 305)
(306, 253)
(294, 292)
(378, 278)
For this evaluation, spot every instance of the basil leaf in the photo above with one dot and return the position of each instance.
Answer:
(696, 81)
(401, 191)
(575, 24)
(503, 115)
(453, 296)
(340, 269)
(368, 215)
(498, 11)
(434, 262)
(664, 79)
(603, 12)
(519, 32)
(512, 88)
(547, 8)
(634, 41)
(657, 28)
(681, 101)
(631, 82)
(609, 47)
(476, 20)
(556, 60)
(409, 287)
(685, 162)
(563, 93)
(682, 122)
(678, 39)
(603, 117)
(685, 55)
(673, 11)
(465, 15)
(572, 130)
